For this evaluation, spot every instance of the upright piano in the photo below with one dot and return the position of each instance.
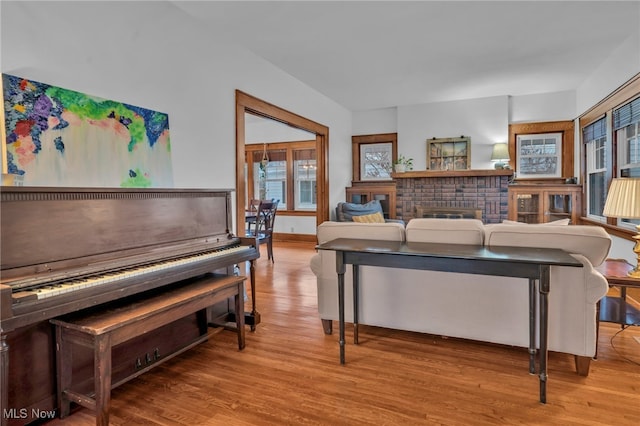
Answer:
(69, 249)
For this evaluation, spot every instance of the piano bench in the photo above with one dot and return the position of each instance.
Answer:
(103, 329)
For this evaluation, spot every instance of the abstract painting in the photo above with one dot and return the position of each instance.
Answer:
(59, 137)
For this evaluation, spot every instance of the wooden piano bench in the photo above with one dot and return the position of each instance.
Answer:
(103, 329)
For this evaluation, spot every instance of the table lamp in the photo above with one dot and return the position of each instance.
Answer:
(623, 200)
(500, 155)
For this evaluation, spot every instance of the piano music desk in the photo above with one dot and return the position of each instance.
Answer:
(103, 329)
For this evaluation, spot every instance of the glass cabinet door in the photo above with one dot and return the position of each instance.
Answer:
(358, 197)
(529, 208)
(558, 207)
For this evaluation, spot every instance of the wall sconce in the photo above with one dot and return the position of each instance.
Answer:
(623, 200)
(500, 155)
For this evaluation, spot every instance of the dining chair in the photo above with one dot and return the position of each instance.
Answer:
(262, 228)
(252, 214)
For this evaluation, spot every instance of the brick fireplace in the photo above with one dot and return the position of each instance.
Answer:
(485, 190)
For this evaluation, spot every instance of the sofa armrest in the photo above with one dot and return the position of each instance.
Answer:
(316, 264)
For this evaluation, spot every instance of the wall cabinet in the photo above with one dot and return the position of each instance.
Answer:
(540, 203)
(383, 191)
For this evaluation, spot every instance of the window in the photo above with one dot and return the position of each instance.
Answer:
(595, 138)
(283, 171)
(626, 124)
(539, 155)
(611, 142)
(305, 178)
(270, 177)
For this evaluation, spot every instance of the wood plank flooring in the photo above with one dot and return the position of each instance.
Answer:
(289, 374)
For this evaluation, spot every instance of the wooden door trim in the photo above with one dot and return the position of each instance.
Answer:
(246, 103)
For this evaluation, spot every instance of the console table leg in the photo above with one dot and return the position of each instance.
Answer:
(532, 326)
(356, 297)
(340, 268)
(544, 318)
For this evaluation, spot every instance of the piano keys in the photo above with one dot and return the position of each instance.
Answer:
(68, 249)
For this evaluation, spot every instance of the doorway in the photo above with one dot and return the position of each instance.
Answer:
(246, 103)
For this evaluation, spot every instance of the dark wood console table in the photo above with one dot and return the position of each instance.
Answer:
(521, 262)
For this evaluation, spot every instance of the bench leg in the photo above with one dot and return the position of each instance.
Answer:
(102, 378)
(239, 302)
(64, 371)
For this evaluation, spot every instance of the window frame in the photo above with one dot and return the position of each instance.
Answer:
(626, 94)
(288, 206)
(521, 156)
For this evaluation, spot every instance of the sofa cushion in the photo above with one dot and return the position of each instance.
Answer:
(593, 242)
(369, 218)
(346, 211)
(388, 231)
(453, 231)
(552, 223)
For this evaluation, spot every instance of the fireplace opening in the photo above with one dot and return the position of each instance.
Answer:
(448, 212)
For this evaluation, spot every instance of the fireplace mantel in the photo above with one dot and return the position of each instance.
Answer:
(451, 173)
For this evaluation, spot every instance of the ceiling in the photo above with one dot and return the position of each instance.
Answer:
(377, 54)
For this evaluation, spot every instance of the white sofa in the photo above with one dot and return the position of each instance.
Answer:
(478, 307)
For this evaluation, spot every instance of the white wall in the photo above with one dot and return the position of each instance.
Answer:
(485, 120)
(619, 67)
(153, 55)
(259, 130)
(371, 122)
(554, 106)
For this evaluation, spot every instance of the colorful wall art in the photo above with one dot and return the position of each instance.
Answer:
(58, 137)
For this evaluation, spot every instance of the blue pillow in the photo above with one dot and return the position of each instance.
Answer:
(346, 211)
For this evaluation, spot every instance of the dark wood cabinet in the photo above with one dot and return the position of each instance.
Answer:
(384, 191)
(540, 203)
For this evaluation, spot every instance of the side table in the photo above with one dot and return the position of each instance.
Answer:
(616, 309)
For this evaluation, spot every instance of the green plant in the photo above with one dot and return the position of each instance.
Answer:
(407, 162)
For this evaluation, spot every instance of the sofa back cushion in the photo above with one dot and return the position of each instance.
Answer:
(328, 231)
(453, 231)
(593, 242)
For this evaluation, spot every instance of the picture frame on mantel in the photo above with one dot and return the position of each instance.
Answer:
(449, 153)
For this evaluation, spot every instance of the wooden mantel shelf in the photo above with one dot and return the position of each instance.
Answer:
(451, 173)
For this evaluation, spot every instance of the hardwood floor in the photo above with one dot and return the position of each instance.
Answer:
(289, 373)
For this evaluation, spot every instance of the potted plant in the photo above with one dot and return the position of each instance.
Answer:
(402, 164)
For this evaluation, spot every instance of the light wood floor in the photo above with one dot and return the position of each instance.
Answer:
(289, 374)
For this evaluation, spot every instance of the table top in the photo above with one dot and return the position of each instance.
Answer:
(615, 271)
(530, 255)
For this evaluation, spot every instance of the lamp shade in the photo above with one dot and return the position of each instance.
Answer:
(623, 199)
(500, 152)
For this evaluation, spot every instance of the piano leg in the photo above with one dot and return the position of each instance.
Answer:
(4, 379)
(255, 315)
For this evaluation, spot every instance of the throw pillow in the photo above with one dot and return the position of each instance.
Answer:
(369, 218)
(346, 211)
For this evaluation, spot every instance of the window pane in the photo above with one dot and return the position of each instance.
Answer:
(305, 183)
(270, 182)
(597, 190)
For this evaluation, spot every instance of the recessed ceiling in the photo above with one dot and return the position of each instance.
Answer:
(376, 54)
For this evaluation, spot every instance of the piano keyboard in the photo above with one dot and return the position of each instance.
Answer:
(76, 284)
